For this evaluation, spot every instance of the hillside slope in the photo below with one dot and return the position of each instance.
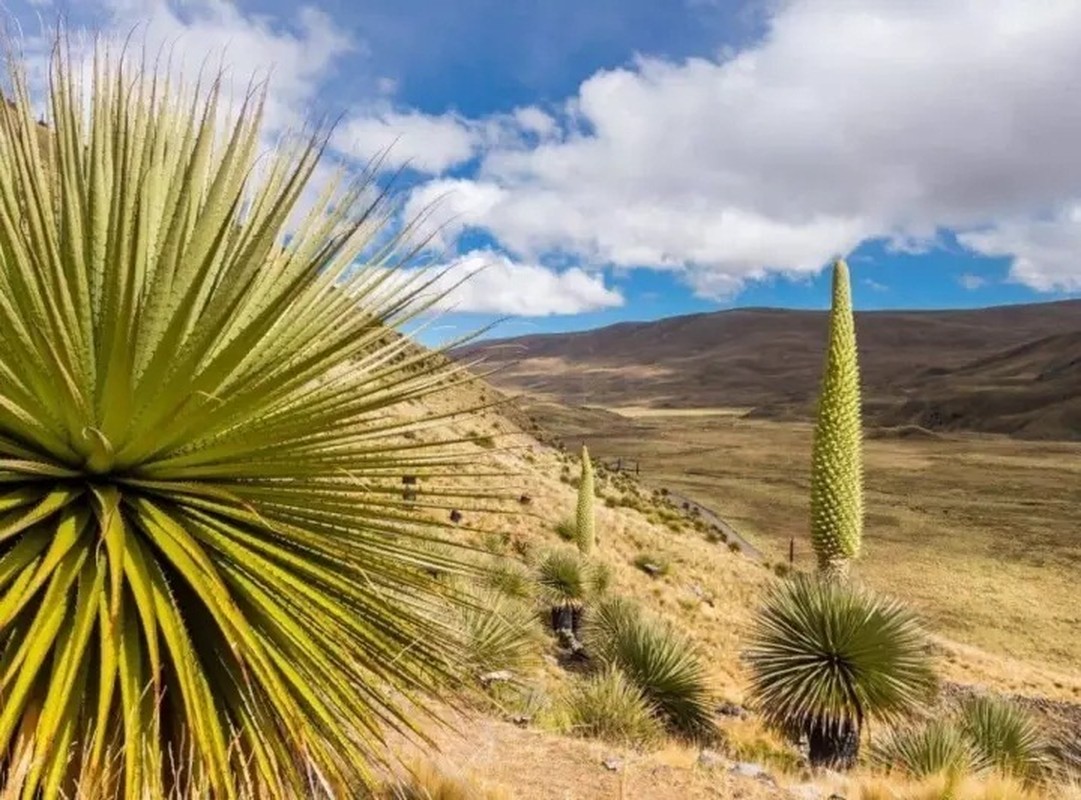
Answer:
(710, 593)
(1032, 390)
(1008, 369)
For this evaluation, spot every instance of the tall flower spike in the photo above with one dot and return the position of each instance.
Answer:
(587, 537)
(836, 461)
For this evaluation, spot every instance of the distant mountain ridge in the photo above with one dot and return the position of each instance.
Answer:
(1003, 369)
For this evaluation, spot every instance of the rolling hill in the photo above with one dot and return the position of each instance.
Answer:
(1006, 369)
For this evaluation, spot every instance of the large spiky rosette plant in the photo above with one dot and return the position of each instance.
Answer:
(836, 459)
(206, 576)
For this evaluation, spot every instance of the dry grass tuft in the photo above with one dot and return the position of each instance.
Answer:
(428, 781)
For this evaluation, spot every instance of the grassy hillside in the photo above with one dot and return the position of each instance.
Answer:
(753, 474)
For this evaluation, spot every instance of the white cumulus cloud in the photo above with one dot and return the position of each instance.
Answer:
(496, 284)
(427, 143)
(846, 122)
(1044, 253)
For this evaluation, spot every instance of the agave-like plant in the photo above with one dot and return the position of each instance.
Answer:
(836, 458)
(499, 633)
(608, 706)
(1005, 737)
(586, 534)
(825, 656)
(919, 751)
(566, 581)
(205, 575)
(663, 663)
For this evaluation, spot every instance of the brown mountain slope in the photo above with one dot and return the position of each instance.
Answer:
(1033, 390)
(1009, 369)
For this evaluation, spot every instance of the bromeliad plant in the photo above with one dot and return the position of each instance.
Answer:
(566, 582)
(826, 656)
(663, 663)
(205, 576)
(836, 459)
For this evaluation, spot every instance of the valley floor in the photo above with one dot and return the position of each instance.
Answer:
(980, 533)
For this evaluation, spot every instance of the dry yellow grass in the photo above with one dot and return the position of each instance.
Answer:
(758, 469)
(640, 412)
(941, 787)
(979, 533)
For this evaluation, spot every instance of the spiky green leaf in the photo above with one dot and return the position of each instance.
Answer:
(207, 572)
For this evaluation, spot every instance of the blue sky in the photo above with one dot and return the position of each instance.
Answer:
(632, 159)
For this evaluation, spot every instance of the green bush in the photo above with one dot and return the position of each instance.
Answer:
(920, 751)
(567, 530)
(608, 706)
(510, 577)
(498, 633)
(661, 662)
(655, 564)
(1005, 737)
(564, 577)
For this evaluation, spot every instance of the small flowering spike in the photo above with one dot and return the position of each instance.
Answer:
(836, 461)
(586, 527)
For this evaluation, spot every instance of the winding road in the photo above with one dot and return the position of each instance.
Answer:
(712, 517)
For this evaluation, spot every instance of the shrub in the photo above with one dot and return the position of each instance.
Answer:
(196, 439)
(426, 781)
(1005, 738)
(567, 530)
(566, 581)
(661, 662)
(653, 564)
(714, 536)
(498, 633)
(608, 706)
(825, 656)
(919, 751)
(496, 543)
(509, 577)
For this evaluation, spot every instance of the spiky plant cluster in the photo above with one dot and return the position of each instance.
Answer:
(836, 459)
(586, 521)
(205, 574)
(662, 662)
(564, 578)
(1006, 738)
(608, 706)
(986, 734)
(920, 751)
(825, 656)
(499, 633)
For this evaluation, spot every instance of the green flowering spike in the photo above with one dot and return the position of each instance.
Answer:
(836, 461)
(587, 536)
